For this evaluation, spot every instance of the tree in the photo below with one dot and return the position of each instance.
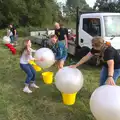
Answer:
(71, 5)
(28, 12)
(105, 6)
(76, 3)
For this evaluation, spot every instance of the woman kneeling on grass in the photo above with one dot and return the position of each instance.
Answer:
(26, 56)
(110, 58)
(60, 51)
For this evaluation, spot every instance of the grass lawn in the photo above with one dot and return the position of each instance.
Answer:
(44, 103)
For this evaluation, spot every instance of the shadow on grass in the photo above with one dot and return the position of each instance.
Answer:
(83, 93)
(51, 92)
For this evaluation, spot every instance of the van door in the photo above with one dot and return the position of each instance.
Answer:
(89, 27)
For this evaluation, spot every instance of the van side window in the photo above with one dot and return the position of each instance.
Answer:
(92, 26)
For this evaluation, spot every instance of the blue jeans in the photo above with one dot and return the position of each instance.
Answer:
(12, 38)
(104, 75)
(29, 70)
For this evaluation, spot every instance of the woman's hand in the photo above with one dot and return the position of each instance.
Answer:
(83, 60)
(110, 81)
(40, 59)
(72, 66)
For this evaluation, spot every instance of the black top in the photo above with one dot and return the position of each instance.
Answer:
(110, 54)
(60, 33)
(66, 31)
(13, 30)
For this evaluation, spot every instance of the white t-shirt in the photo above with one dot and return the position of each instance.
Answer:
(9, 33)
(25, 58)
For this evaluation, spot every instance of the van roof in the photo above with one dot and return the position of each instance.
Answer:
(99, 14)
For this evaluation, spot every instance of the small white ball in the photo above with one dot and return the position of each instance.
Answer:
(47, 55)
(105, 103)
(69, 80)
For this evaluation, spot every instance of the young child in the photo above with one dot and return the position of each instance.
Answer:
(9, 34)
(26, 56)
(60, 51)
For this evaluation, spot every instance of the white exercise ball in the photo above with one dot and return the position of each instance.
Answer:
(6, 40)
(47, 55)
(105, 103)
(69, 80)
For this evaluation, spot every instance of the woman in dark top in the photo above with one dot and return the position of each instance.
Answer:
(14, 34)
(110, 58)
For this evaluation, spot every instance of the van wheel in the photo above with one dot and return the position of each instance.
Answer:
(93, 61)
(81, 52)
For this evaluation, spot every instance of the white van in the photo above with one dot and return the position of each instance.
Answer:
(106, 25)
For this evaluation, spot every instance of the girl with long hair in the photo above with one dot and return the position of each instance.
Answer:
(26, 56)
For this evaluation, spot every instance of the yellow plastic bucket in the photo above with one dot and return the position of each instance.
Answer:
(47, 77)
(69, 99)
(37, 68)
(32, 62)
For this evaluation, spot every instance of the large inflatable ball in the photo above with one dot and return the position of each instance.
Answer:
(69, 80)
(105, 103)
(47, 55)
(6, 40)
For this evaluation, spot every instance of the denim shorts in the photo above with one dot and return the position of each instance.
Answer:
(63, 41)
(64, 58)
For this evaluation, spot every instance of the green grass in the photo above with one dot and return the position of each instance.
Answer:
(44, 103)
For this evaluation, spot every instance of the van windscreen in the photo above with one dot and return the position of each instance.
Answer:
(112, 25)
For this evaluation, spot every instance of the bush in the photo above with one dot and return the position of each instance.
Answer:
(3, 32)
(25, 31)
(22, 32)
